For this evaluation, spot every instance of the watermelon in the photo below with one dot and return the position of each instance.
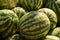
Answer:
(55, 32)
(30, 4)
(8, 21)
(55, 6)
(19, 11)
(50, 37)
(44, 3)
(51, 15)
(34, 25)
(14, 37)
(5, 4)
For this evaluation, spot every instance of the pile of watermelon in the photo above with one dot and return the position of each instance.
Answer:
(29, 19)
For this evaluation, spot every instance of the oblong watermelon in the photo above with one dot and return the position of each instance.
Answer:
(34, 25)
(30, 4)
(8, 4)
(8, 21)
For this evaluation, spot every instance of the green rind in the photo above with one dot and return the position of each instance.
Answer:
(19, 11)
(31, 4)
(8, 21)
(51, 15)
(34, 25)
(50, 37)
(44, 3)
(8, 4)
(55, 32)
(55, 6)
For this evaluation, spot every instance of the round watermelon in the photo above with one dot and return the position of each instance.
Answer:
(34, 25)
(55, 6)
(51, 15)
(8, 21)
(30, 4)
(5, 4)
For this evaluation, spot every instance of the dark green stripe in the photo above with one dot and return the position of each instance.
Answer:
(3, 14)
(32, 4)
(36, 29)
(21, 2)
(30, 24)
(5, 26)
(3, 19)
(26, 4)
(28, 1)
(26, 17)
(37, 33)
(3, 32)
(35, 3)
(57, 8)
(40, 4)
(8, 31)
(29, 21)
(5, 23)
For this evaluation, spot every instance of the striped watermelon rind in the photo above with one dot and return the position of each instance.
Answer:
(55, 6)
(30, 4)
(34, 25)
(19, 11)
(8, 19)
(55, 32)
(51, 15)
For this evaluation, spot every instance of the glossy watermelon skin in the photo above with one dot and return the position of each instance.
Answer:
(51, 15)
(8, 21)
(55, 32)
(55, 6)
(8, 4)
(19, 11)
(30, 4)
(34, 25)
(50, 37)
